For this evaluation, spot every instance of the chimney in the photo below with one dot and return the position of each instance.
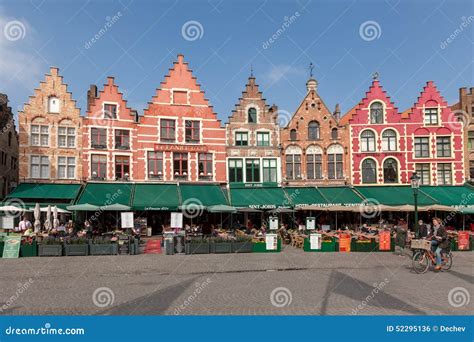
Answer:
(91, 96)
(3, 99)
(462, 93)
(337, 112)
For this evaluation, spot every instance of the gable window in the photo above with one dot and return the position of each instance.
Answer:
(252, 115)
(110, 111)
(334, 134)
(444, 174)
(423, 170)
(263, 139)
(422, 147)
(369, 172)
(313, 130)
(335, 165)
(180, 165)
(99, 138)
(155, 164)
(314, 166)
(192, 131)
(389, 140)
(122, 139)
(241, 139)
(66, 137)
(122, 167)
(293, 135)
(53, 104)
(431, 116)
(390, 171)
(98, 166)
(367, 141)
(252, 170)
(470, 140)
(66, 167)
(168, 130)
(293, 166)
(39, 167)
(376, 113)
(443, 147)
(236, 171)
(39, 135)
(205, 165)
(269, 170)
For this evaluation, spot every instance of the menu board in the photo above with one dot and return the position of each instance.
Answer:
(127, 220)
(463, 241)
(7, 222)
(12, 247)
(273, 223)
(315, 241)
(176, 220)
(271, 241)
(384, 241)
(310, 223)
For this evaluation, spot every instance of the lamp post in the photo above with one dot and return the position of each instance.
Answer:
(415, 184)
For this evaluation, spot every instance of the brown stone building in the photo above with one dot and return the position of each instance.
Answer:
(8, 148)
(464, 110)
(253, 138)
(50, 141)
(314, 150)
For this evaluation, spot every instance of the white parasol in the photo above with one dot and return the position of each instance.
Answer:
(37, 214)
(47, 223)
(55, 216)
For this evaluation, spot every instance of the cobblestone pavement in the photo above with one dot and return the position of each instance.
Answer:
(289, 283)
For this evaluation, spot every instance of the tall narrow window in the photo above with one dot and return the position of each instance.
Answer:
(423, 171)
(180, 165)
(155, 164)
(205, 166)
(367, 141)
(236, 171)
(471, 169)
(313, 130)
(335, 164)
(122, 167)
(66, 167)
(443, 147)
(9, 139)
(66, 137)
(390, 171)
(369, 172)
(110, 111)
(192, 131)
(376, 113)
(39, 167)
(431, 116)
(445, 176)
(422, 147)
(122, 139)
(241, 138)
(314, 166)
(263, 139)
(269, 170)
(98, 166)
(293, 166)
(168, 130)
(334, 134)
(252, 115)
(470, 140)
(293, 135)
(252, 170)
(99, 138)
(389, 140)
(53, 104)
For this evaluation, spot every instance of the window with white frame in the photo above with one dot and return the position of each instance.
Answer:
(423, 171)
(53, 104)
(369, 171)
(269, 170)
(110, 111)
(241, 138)
(66, 167)
(39, 135)
(422, 147)
(376, 113)
(389, 140)
(445, 174)
(66, 137)
(443, 147)
(263, 139)
(39, 167)
(431, 116)
(367, 141)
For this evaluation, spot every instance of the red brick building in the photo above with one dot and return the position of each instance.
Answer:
(8, 148)
(109, 136)
(179, 137)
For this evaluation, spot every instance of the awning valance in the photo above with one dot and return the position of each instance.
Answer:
(259, 198)
(155, 197)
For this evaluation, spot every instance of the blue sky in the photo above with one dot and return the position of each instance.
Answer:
(407, 47)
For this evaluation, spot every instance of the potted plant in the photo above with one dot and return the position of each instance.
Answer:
(102, 246)
(50, 246)
(197, 246)
(221, 245)
(242, 244)
(28, 248)
(76, 246)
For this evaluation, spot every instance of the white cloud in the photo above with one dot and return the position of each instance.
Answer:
(278, 72)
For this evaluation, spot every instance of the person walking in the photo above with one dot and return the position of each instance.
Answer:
(401, 238)
(440, 241)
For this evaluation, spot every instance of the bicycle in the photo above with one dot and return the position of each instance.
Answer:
(424, 258)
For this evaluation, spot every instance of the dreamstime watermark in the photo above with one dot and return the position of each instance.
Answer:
(466, 199)
(192, 208)
(369, 208)
(46, 330)
(457, 119)
(282, 29)
(466, 21)
(21, 287)
(459, 296)
(281, 297)
(103, 297)
(17, 207)
(370, 30)
(14, 30)
(376, 289)
(200, 287)
(284, 117)
(110, 200)
(192, 30)
(110, 21)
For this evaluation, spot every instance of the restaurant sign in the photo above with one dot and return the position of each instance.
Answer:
(180, 148)
(12, 247)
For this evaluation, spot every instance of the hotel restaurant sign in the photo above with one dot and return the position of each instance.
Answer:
(180, 148)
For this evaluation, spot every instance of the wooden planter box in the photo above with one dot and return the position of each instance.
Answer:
(197, 248)
(103, 249)
(221, 247)
(50, 250)
(29, 250)
(76, 250)
(242, 247)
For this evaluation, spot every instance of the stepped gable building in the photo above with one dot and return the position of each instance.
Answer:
(49, 133)
(387, 147)
(313, 144)
(8, 148)
(109, 135)
(464, 110)
(179, 135)
(253, 138)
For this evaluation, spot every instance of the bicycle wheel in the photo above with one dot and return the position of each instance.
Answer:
(420, 262)
(447, 261)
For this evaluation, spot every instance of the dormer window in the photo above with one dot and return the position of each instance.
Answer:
(431, 116)
(313, 130)
(252, 115)
(376, 113)
(293, 135)
(110, 111)
(53, 104)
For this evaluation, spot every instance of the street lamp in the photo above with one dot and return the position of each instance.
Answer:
(415, 184)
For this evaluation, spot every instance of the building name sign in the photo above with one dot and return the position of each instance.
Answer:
(180, 148)
(392, 154)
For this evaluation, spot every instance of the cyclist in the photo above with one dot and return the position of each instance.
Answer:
(439, 241)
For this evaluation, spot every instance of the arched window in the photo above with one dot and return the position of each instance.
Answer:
(369, 171)
(389, 140)
(313, 130)
(334, 135)
(376, 113)
(335, 166)
(390, 171)
(252, 115)
(293, 134)
(367, 141)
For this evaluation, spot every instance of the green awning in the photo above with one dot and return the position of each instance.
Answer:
(83, 207)
(221, 208)
(394, 195)
(202, 195)
(53, 194)
(155, 197)
(454, 196)
(340, 195)
(106, 194)
(307, 196)
(259, 198)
